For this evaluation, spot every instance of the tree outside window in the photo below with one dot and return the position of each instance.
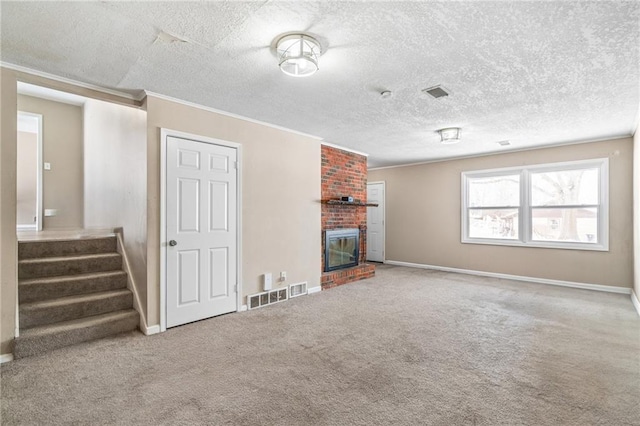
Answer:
(553, 205)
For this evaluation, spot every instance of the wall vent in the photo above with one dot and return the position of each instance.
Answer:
(299, 289)
(436, 91)
(259, 300)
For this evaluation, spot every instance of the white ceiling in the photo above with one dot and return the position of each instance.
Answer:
(534, 73)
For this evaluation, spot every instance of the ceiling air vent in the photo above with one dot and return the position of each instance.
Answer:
(504, 143)
(436, 92)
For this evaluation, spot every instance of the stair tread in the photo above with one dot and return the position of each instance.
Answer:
(73, 277)
(56, 239)
(76, 323)
(69, 257)
(78, 298)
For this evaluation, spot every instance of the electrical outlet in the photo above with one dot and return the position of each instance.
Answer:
(283, 276)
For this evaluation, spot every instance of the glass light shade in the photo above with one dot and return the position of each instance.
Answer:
(450, 135)
(298, 55)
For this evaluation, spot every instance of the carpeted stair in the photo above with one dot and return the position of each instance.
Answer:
(71, 291)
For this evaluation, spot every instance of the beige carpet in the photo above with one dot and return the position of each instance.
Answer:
(406, 347)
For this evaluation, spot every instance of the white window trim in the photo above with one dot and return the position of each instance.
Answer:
(524, 216)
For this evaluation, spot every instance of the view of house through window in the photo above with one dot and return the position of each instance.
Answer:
(555, 205)
(565, 205)
(494, 203)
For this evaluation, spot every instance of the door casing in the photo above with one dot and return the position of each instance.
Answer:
(164, 134)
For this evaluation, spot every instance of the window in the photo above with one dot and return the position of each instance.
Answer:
(562, 205)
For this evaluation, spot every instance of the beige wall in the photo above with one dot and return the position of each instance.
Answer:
(115, 179)
(8, 244)
(423, 218)
(27, 178)
(62, 147)
(280, 196)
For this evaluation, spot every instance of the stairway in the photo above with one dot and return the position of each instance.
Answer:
(71, 291)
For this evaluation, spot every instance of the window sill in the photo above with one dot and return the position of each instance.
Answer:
(538, 244)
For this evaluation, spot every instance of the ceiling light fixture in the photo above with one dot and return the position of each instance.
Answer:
(385, 94)
(298, 55)
(450, 135)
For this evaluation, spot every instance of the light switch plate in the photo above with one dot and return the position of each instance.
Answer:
(47, 166)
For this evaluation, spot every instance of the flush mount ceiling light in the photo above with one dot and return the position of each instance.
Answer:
(298, 55)
(450, 135)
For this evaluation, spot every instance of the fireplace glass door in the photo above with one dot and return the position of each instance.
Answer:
(341, 248)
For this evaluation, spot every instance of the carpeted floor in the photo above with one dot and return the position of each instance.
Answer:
(408, 347)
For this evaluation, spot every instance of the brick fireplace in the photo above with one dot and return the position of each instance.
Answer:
(344, 174)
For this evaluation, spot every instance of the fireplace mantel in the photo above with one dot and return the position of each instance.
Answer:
(348, 203)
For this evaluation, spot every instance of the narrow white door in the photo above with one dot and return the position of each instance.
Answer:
(201, 230)
(375, 222)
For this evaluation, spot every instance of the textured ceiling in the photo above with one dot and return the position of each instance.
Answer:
(533, 73)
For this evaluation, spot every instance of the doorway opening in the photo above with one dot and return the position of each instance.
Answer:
(376, 222)
(29, 172)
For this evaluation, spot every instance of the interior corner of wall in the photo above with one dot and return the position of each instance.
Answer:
(6, 347)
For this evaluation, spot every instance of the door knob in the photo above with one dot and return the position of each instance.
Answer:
(173, 243)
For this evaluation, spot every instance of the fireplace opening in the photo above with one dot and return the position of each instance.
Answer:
(342, 249)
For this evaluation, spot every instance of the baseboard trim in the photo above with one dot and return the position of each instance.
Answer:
(6, 358)
(312, 290)
(635, 301)
(572, 284)
(148, 331)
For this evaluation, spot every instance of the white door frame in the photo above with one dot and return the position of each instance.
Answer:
(39, 165)
(384, 218)
(164, 134)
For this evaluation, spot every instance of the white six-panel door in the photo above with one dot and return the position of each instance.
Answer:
(375, 222)
(201, 230)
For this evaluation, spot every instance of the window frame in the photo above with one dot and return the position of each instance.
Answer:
(525, 209)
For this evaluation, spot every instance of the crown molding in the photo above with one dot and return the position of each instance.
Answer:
(72, 82)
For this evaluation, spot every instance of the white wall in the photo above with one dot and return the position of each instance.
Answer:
(27, 178)
(115, 179)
